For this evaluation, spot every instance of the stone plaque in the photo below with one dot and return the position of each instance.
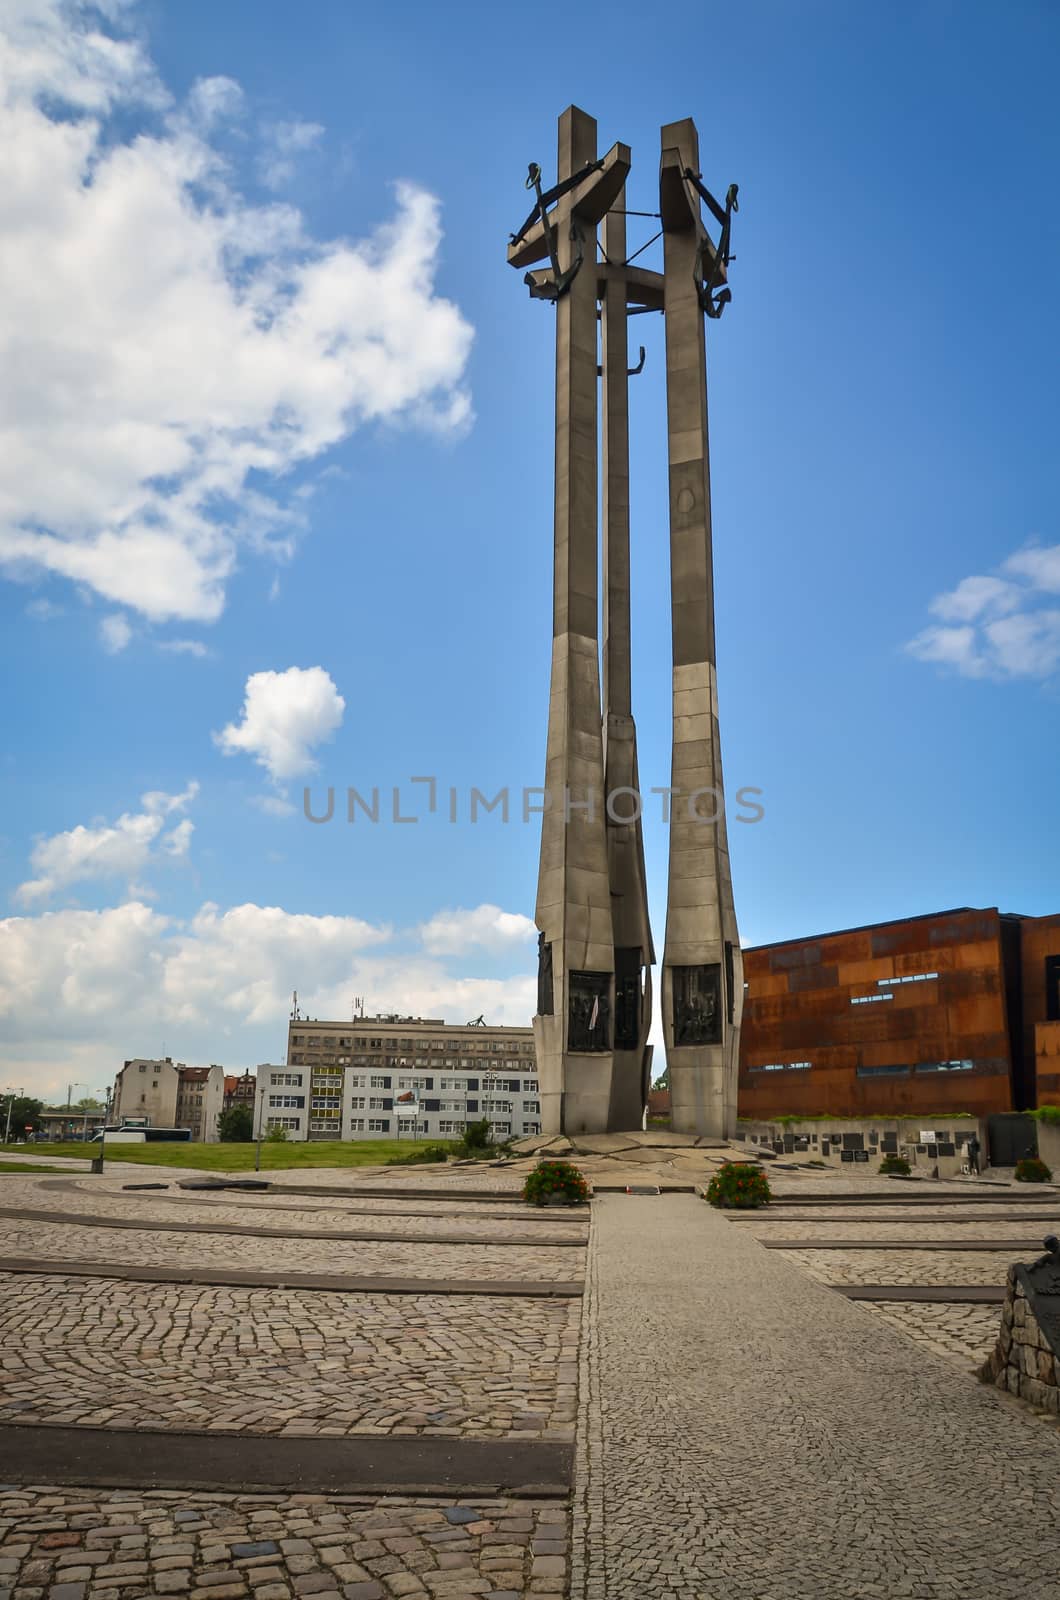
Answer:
(846, 1155)
(589, 1011)
(1041, 1285)
(627, 998)
(697, 1004)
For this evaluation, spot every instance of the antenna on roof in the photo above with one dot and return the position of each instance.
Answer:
(295, 1013)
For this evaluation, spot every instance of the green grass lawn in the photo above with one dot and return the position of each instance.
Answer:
(240, 1157)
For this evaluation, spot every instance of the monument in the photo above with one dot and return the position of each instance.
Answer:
(594, 1004)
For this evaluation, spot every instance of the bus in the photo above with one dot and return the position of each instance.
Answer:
(124, 1134)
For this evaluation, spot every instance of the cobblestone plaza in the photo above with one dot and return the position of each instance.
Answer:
(403, 1383)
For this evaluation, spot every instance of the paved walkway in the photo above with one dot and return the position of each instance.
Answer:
(745, 1430)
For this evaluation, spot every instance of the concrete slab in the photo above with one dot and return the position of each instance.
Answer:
(325, 1282)
(421, 1465)
(601, 1144)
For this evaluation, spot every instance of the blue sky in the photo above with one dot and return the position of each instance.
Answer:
(275, 401)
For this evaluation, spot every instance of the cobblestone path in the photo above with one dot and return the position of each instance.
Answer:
(70, 1544)
(56, 1241)
(419, 1220)
(141, 1355)
(966, 1333)
(956, 1268)
(743, 1430)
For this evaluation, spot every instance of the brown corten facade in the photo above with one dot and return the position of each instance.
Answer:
(956, 1011)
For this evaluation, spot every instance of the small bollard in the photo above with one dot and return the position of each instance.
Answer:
(97, 1163)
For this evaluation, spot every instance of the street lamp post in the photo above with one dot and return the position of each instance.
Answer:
(11, 1093)
(70, 1087)
(259, 1090)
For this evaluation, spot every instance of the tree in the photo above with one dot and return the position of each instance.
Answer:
(89, 1103)
(663, 1081)
(235, 1125)
(24, 1114)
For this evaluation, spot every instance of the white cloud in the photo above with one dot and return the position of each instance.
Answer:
(164, 342)
(184, 647)
(115, 633)
(105, 850)
(485, 927)
(284, 142)
(285, 714)
(273, 805)
(974, 597)
(90, 988)
(43, 610)
(999, 626)
(1039, 564)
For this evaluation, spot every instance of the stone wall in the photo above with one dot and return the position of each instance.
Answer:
(1049, 1147)
(825, 1139)
(1023, 1361)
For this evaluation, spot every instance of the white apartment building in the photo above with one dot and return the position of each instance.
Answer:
(400, 1077)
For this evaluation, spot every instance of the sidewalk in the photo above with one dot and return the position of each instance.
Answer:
(744, 1430)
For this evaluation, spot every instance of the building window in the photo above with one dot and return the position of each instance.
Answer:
(945, 1066)
(913, 977)
(869, 999)
(895, 1070)
(357, 1125)
(784, 1066)
(378, 1124)
(1052, 988)
(293, 1078)
(297, 1100)
(284, 1122)
(378, 1082)
(450, 1126)
(530, 1108)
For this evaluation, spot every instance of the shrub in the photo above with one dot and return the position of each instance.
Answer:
(235, 1125)
(1032, 1170)
(895, 1167)
(739, 1184)
(555, 1178)
(428, 1153)
(276, 1135)
(1048, 1114)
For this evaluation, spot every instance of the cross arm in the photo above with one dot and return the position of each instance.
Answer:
(643, 287)
(590, 200)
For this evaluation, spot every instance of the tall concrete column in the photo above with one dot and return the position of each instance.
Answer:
(634, 952)
(702, 979)
(574, 1026)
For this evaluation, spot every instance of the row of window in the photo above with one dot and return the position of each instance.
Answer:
(891, 1070)
(284, 1122)
(295, 1100)
(913, 977)
(902, 1069)
(784, 1066)
(434, 1046)
(293, 1078)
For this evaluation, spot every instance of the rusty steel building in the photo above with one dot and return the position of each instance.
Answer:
(957, 1011)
